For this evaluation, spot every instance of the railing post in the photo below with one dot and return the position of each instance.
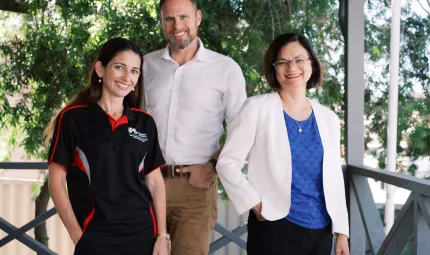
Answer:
(422, 225)
(357, 234)
(370, 217)
(354, 111)
(402, 231)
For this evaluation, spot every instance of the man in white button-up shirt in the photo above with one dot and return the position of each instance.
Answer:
(190, 91)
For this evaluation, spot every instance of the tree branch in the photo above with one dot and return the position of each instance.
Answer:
(40, 232)
(277, 17)
(428, 1)
(273, 22)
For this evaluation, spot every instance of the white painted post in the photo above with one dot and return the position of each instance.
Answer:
(392, 110)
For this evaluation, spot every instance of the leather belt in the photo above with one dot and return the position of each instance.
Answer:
(169, 171)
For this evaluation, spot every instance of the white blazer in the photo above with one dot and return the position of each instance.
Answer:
(259, 132)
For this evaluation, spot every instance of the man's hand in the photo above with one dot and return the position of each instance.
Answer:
(201, 176)
(341, 246)
(257, 211)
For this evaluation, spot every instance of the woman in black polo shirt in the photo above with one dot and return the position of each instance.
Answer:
(107, 151)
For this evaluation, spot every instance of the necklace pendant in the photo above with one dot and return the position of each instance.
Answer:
(300, 130)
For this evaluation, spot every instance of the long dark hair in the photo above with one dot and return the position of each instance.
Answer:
(93, 90)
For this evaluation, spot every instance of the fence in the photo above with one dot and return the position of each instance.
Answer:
(411, 227)
(17, 209)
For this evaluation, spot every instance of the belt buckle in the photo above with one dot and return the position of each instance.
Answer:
(171, 171)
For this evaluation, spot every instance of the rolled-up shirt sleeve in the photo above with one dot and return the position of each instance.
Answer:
(235, 92)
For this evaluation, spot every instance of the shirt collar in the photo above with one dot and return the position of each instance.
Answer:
(201, 54)
(98, 112)
(128, 111)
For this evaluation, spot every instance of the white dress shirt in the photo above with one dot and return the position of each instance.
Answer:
(259, 132)
(190, 102)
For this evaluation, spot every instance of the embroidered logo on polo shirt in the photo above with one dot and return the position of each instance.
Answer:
(137, 135)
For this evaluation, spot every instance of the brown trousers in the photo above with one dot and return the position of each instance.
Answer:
(191, 215)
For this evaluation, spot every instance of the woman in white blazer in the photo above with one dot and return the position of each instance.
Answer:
(295, 184)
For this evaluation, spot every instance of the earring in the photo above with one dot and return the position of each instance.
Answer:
(133, 89)
(100, 80)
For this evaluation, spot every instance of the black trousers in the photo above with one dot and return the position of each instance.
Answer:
(282, 237)
(89, 247)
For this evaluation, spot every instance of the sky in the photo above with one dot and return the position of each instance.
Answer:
(418, 9)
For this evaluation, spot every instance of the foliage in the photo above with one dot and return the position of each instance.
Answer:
(37, 187)
(414, 79)
(48, 62)
(51, 63)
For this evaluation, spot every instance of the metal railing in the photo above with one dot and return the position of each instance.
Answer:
(412, 224)
(228, 237)
(20, 233)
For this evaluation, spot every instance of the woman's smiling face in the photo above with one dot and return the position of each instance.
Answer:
(121, 74)
(293, 66)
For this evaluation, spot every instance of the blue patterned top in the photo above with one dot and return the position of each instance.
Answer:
(308, 208)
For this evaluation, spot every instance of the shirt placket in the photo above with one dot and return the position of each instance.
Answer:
(173, 110)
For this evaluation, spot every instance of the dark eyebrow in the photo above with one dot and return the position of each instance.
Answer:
(122, 64)
(299, 56)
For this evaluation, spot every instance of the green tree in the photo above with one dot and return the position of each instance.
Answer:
(51, 62)
(414, 107)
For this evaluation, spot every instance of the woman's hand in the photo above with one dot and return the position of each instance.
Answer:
(76, 237)
(161, 246)
(57, 188)
(257, 211)
(341, 247)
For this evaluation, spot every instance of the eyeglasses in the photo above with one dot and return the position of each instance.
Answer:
(284, 64)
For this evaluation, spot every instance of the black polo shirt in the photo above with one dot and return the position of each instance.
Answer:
(106, 163)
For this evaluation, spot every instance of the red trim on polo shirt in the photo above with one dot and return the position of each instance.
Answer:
(87, 220)
(153, 220)
(59, 127)
(140, 110)
(77, 161)
(154, 169)
(65, 169)
(115, 123)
